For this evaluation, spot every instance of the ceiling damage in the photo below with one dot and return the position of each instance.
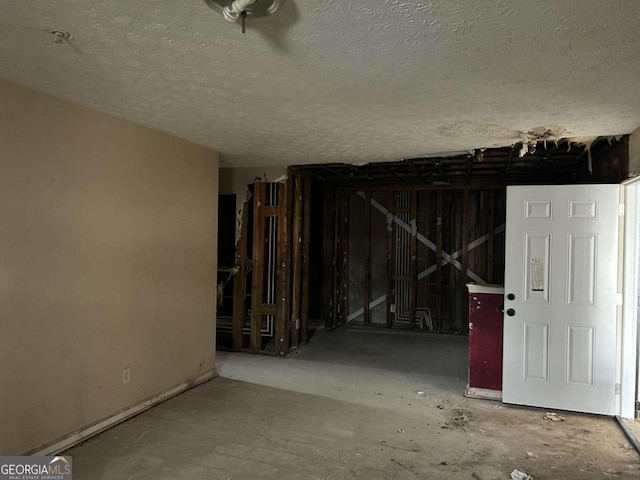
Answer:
(603, 160)
(326, 81)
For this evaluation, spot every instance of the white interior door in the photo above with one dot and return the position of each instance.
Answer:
(560, 297)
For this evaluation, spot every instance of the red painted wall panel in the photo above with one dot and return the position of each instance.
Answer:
(485, 340)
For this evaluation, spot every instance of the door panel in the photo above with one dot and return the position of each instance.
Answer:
(582, 269)
(536, 352)
(561, 267)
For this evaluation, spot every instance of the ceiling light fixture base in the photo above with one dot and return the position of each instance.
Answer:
(231, 10)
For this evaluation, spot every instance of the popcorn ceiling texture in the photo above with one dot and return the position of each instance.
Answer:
(338, 81)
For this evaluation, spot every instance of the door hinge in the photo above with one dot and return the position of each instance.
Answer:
(621, 209)
(617, 389)
(619, 299)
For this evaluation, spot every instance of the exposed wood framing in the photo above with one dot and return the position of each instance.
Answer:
(259, 198)
(413, 249)
(427, 223)
(328, 259)
(306, 257)
(297, 259)
(460, 238)
(492, 207)
(465, 234)
(345, 258)
(283, 275)
(439, 276)
(337, 260)
(271, 283)
(239, 282)
(452, 229)
(552, 163)
(342, 247)
(367, 261)
(390, 263)
(448, 244)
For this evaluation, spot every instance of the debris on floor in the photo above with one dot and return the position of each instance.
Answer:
(531, 455)
(518, 475)
(554, 417)
(301, 426)
(460, 419)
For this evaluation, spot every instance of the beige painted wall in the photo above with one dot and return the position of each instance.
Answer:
(634, 153)
(107, 260)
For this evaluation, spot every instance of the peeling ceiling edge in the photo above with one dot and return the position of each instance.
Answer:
(527, 139)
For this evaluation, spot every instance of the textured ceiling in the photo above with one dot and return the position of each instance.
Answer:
(338, 81)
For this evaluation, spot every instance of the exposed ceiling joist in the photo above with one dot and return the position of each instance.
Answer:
(561, 163)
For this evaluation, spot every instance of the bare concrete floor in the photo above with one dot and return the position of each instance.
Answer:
(338, 410)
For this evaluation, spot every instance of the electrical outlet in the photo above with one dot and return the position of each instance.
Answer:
(126, 375)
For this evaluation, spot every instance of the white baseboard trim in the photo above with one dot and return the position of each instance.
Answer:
(84, 433)
(484, 393)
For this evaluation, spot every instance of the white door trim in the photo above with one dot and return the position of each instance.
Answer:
(628, 331)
